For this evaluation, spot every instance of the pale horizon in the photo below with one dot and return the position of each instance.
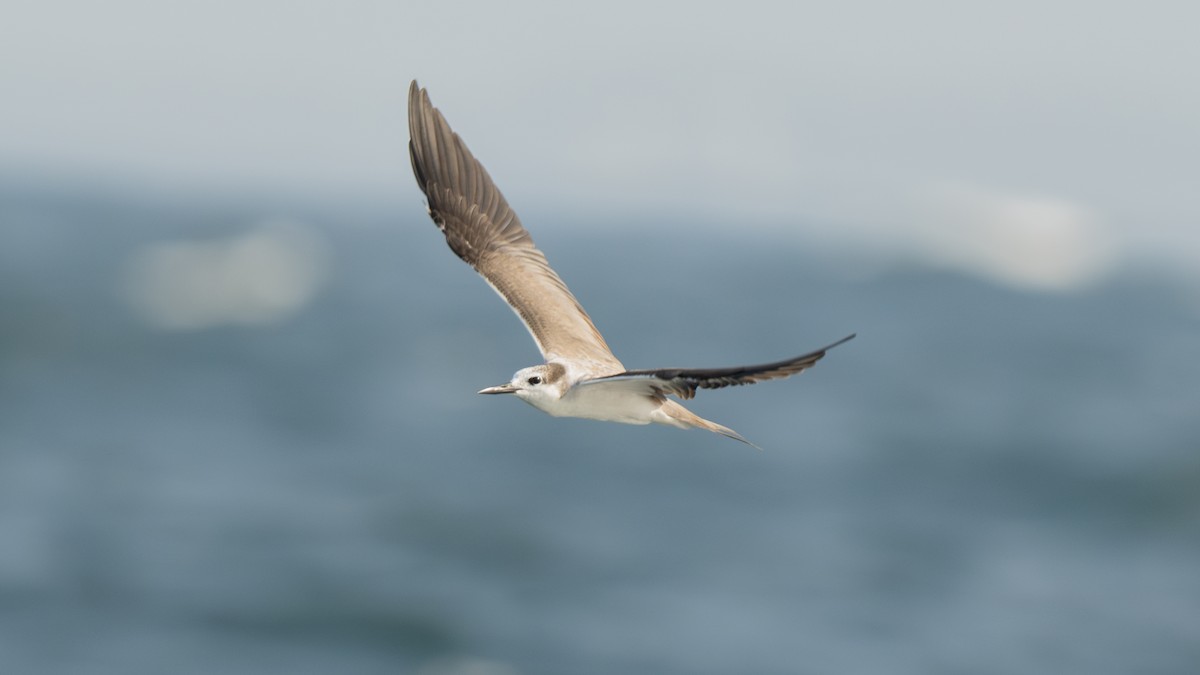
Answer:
(979, 138)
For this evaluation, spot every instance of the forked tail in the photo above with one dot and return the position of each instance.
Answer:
(683, 418)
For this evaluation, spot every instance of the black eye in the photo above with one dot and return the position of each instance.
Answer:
(534, 380)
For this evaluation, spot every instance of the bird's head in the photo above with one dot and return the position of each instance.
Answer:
(533, 384)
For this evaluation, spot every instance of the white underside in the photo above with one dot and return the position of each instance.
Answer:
(627, 401)
(622, 402)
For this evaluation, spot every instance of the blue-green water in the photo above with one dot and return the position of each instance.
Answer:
(985, 481)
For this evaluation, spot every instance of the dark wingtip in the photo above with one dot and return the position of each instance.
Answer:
(414, 97)
(839, 342)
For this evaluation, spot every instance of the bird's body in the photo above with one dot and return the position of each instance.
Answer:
(606, 404)
(606, 399)
(581, 377)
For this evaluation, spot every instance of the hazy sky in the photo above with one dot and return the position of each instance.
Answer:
(1039, 142)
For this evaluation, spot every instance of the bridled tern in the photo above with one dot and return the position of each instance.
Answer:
(581, 377)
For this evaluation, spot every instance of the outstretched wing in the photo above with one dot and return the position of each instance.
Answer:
(683, 382)
(481, 228)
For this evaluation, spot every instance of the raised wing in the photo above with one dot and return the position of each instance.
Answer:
(683, 382)
(481, 228)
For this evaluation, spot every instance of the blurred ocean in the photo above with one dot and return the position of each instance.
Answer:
(243, 438)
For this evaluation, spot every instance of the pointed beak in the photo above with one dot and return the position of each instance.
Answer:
(502, 389)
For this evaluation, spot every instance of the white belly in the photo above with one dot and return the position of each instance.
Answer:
(602, 402)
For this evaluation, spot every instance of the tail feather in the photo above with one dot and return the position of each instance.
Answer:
(681, 417)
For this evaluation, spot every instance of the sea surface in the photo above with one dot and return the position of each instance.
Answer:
(986, 480)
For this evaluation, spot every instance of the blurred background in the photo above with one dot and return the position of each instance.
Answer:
(238, 427)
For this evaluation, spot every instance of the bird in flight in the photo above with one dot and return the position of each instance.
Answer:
(581, 377)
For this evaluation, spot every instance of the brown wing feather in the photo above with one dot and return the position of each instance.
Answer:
(683, 382)
(482, 230)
